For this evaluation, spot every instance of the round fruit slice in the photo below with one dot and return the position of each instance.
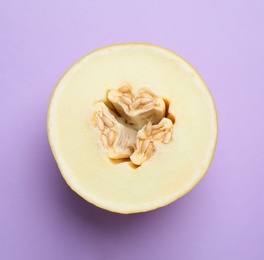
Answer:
(132, 127)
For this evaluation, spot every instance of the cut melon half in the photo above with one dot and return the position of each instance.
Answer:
(132, 127)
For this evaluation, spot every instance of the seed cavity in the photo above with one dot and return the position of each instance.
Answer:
(131, 124)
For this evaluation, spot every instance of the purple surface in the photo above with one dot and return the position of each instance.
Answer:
(41, 218)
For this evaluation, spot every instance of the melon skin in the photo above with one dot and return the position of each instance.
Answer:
(174, 170)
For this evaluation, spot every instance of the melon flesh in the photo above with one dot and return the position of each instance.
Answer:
(173, 170)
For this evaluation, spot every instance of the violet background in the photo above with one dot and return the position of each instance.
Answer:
(41, 218)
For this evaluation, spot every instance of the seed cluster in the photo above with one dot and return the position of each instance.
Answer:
(145, 101)
(119, 138)
(104, 124)
(159, 132)
(148, 136)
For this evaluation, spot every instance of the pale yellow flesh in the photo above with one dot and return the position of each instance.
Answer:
(176, 167)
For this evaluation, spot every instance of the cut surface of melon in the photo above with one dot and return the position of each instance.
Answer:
(174, 168)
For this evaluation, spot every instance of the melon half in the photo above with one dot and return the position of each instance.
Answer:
(116, 178)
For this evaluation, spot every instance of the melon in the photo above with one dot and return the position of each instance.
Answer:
(132, 127)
